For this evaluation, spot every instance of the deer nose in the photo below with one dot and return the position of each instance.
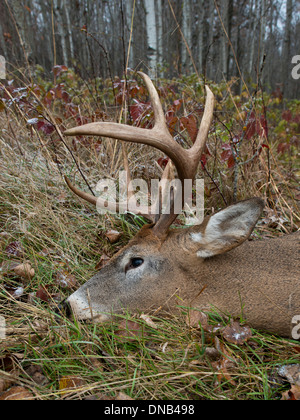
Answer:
(64, 308)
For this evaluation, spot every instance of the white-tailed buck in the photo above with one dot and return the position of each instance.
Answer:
(259, 280)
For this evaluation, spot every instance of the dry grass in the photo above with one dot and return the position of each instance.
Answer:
(169, 362)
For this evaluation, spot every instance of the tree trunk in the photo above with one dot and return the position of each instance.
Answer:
(58, 13)
(17, 8)
(151, 36)
(187, 33)
(287, 47)
(159, 20)
(69, 28)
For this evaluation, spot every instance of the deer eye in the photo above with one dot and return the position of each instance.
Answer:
(134, 263)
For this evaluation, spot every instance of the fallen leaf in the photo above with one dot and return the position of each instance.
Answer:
(68, 384)
(15, 249)
(15, 292)
(237, 334)
(8, 365)
(225, 364)
(113, 236)
(43, 294)
(7, 267)
(291, 373)
(66, 280)
(123, 397)
(198, 319)
(36, 373)
(104, 260)
(148, 321)
(25, 271)
(292, 394)
(129, 330)
(17, 393)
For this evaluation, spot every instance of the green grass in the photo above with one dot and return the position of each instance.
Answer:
(171, 361)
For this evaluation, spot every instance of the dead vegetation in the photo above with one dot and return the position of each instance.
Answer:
(58, 241)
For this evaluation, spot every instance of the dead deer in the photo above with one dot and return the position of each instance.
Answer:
(162, 267)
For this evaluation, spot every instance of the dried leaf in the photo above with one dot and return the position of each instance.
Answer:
(292, 395)
(129, 330)
(17, 393)
(237, 334)
(36, 373)
(104, 260)
(148, 321)
(197, 319)
(7, 267)
(68, 384)
(123, 397)
(291, 373)
(15, 292)
(225, 364)
(43, 294)
(25, 271)
(113, 236)
(66, 280)
(15, 249)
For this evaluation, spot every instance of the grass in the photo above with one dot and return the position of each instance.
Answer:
(58, 232)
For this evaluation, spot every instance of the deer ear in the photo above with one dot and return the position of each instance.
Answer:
(229, 228)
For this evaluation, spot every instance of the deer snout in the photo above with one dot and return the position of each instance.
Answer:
(82, 310)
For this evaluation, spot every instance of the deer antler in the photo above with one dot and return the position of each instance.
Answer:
(185, 160)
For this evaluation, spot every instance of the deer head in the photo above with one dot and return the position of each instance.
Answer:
(161, 265)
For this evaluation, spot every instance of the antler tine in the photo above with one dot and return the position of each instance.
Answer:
(105, 204)
(198, 147)
(185, 161)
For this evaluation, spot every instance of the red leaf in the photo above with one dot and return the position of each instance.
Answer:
(287, 115)
(15, 249)
(45, 127)
(256, 125)
(57, 70)
(203, 160)
(190, 123)
(283, 147)
(227, 153)
(177, 105)
(231, 162)
(43, 294)
(163, 162)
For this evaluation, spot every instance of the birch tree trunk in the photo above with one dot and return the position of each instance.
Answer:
(159, 25)
(201, 13)
(187, 33)
(69, 28)
(151, 36)
(224, 41)
(58, 13)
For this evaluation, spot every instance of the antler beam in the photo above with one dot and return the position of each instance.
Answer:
(185, 161)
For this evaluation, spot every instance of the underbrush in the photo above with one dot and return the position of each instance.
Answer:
(252, 150)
